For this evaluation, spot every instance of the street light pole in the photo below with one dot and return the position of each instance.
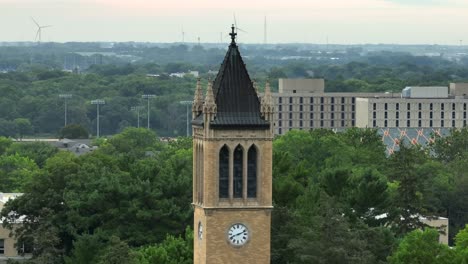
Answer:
(65, 97)
(137, 109)
(148, 97)
(97, 102)
(187, 103)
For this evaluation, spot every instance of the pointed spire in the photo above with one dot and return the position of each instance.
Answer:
(197, 104)
(267, 102)
(209, 105)
(233, 35)
(254, 84)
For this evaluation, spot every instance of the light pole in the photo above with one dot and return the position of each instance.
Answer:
(187, 103)
(137, 109)
(97, 102)
(148, 97)
(65, 97)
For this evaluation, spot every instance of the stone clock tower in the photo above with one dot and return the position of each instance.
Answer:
(232, 166)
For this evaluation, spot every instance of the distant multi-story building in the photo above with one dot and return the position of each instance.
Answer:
(303, 104)
(418, 107)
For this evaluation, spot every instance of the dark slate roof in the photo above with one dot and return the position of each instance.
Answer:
(236, 99)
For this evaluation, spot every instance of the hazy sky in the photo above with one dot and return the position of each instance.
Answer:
(311, 21)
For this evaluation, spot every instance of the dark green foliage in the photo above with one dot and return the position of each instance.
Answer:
(74, 131)
(39, 152)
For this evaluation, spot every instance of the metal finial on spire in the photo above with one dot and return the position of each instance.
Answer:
(233, 34)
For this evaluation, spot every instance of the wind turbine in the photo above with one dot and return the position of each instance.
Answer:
(235, 24)
(183, 35)
(39, 30)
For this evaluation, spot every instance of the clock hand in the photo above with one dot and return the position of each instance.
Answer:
(237, 234)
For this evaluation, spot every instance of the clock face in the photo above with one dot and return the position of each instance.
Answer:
(200, 231)
(238, 234)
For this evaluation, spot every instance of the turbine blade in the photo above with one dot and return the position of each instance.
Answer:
(235, 21)
(37, 34)
(46, 26)
(241, 30)
(35, 22)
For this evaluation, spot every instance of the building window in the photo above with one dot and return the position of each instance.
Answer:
(290, 107)
(441, 114)
(279, 131)
(353, 100)
(301, 100)
(311, 100)
(397, 115)
(397, 123)
(431, 106)
(464, 123)
(300, 124)
(386, 115)
(321, 123)
(453, 115)
(252, 172)
(280, 123)
(332, 108)
(353, 115)
(321, 108)
(300, 115)
(353, 122)
(453, 123)
(408, 106)
(385, 123)
(408, 115)
(237, 173)
(2, 246)
(342, 116)
(224, 172)
(290, 123)
(397, 106)
(374, 123)
(280, 115)
(342, 108)
(420, 106)
(333, 100)
(322, 100)
(408, 123)
(442, 106)
(332, 123)
(353, 108)
(332, 115)
(342, 123)
(419, 114)
(453, 107)
(290, 100)
(342, 100)
(280, 100)
(464, 115)
(290, 115)
(419, 123)
(430, 123)
(301, 108)
(464, 107)
(280, 108)
(441, 123)
(430, 115)
(311, 115)
(321, 115)
(311, 123)
(294, 91)
(386, 106)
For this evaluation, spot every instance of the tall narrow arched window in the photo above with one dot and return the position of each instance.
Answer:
(238, 169)
(224, 172)
(252, 172)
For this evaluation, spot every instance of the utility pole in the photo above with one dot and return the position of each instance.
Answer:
(137, 109)
(65, 97)
(97, 102)
(148, 97)
(187, 103)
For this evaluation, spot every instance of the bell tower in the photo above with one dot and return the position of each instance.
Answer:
(232, 167)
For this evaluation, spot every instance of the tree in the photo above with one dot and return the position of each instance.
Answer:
(23, 127)
(422, 247)
(16, 172)
(74, 131)
(39, 152)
